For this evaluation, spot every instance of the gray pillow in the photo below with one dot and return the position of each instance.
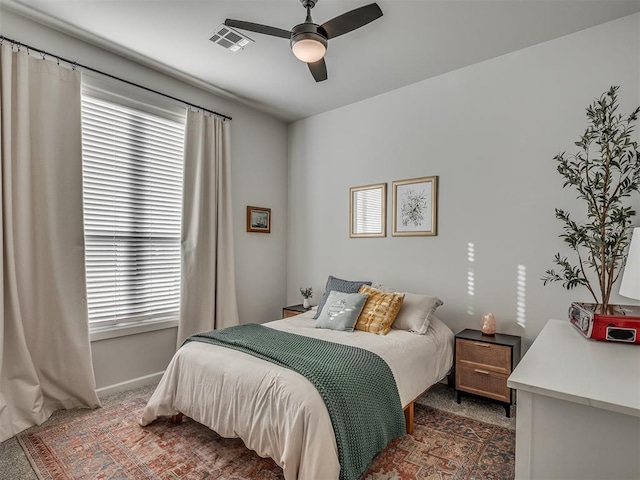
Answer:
(338, 285)
(341, 311)
(416, 312)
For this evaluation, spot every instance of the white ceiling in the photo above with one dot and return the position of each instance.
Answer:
(413, 41)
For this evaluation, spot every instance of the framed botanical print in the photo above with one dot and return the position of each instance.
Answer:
(415, 207)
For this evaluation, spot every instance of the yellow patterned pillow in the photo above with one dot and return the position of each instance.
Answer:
(379, 311)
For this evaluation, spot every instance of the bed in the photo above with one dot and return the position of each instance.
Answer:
(276, 411)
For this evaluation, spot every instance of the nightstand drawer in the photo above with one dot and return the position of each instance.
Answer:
(485, 356)
(483, 382)
(293, 310)
(289, 313)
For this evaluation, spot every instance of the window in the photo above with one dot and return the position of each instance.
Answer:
(132, 174)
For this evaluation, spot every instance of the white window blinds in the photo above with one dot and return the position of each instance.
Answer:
(368, 211)
(132, 170)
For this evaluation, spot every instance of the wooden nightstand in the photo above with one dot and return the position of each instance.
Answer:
(293, 310)
(483, 364)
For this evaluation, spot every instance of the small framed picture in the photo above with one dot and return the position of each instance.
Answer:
(258, 219)
(368, 211)
(415, 207)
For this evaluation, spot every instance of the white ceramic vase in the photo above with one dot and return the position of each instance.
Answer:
(305, 303)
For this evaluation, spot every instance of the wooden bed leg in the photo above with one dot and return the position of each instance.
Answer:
(408, 418)
(177, 418)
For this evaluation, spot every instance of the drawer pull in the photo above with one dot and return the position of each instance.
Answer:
(484, 372)
(485, 345)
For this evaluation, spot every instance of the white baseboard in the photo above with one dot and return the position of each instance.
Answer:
(129, 384)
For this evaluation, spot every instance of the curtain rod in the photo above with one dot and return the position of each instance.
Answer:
(76, 64)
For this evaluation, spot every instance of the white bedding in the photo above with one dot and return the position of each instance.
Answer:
(277, 412)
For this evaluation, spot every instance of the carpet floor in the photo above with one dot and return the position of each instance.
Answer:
(108, 443)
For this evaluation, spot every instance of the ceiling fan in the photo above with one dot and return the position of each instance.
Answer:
(309, 40)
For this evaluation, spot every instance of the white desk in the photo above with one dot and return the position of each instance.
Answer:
(578, 411)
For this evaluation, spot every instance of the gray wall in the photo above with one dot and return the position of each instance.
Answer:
(259, 175)
(490, 132)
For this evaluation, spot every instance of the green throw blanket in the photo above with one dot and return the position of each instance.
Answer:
(357, 386)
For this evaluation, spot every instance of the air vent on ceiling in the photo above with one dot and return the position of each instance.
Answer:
(229, 38)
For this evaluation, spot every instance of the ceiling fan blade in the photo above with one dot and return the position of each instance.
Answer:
(318, 70)
(256, 27)
(347, 22)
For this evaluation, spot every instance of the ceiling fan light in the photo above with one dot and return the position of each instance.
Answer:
(308, 50)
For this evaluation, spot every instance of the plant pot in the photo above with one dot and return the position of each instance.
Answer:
(305, 303)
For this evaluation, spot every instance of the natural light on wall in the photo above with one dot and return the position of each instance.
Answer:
(470, 276)
(521, 296)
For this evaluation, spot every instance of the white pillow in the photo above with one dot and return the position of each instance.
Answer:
(415, 313)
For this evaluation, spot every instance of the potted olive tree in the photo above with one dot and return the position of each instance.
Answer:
(604, 171)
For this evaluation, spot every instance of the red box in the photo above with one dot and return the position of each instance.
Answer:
(620, 324)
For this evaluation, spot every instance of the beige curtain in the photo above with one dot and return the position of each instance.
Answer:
(208, 299)
(45, 356)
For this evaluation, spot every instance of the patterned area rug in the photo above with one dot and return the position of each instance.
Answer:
(447, 446)
(109, 444)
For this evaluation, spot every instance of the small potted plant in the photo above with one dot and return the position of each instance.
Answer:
(307, 293)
